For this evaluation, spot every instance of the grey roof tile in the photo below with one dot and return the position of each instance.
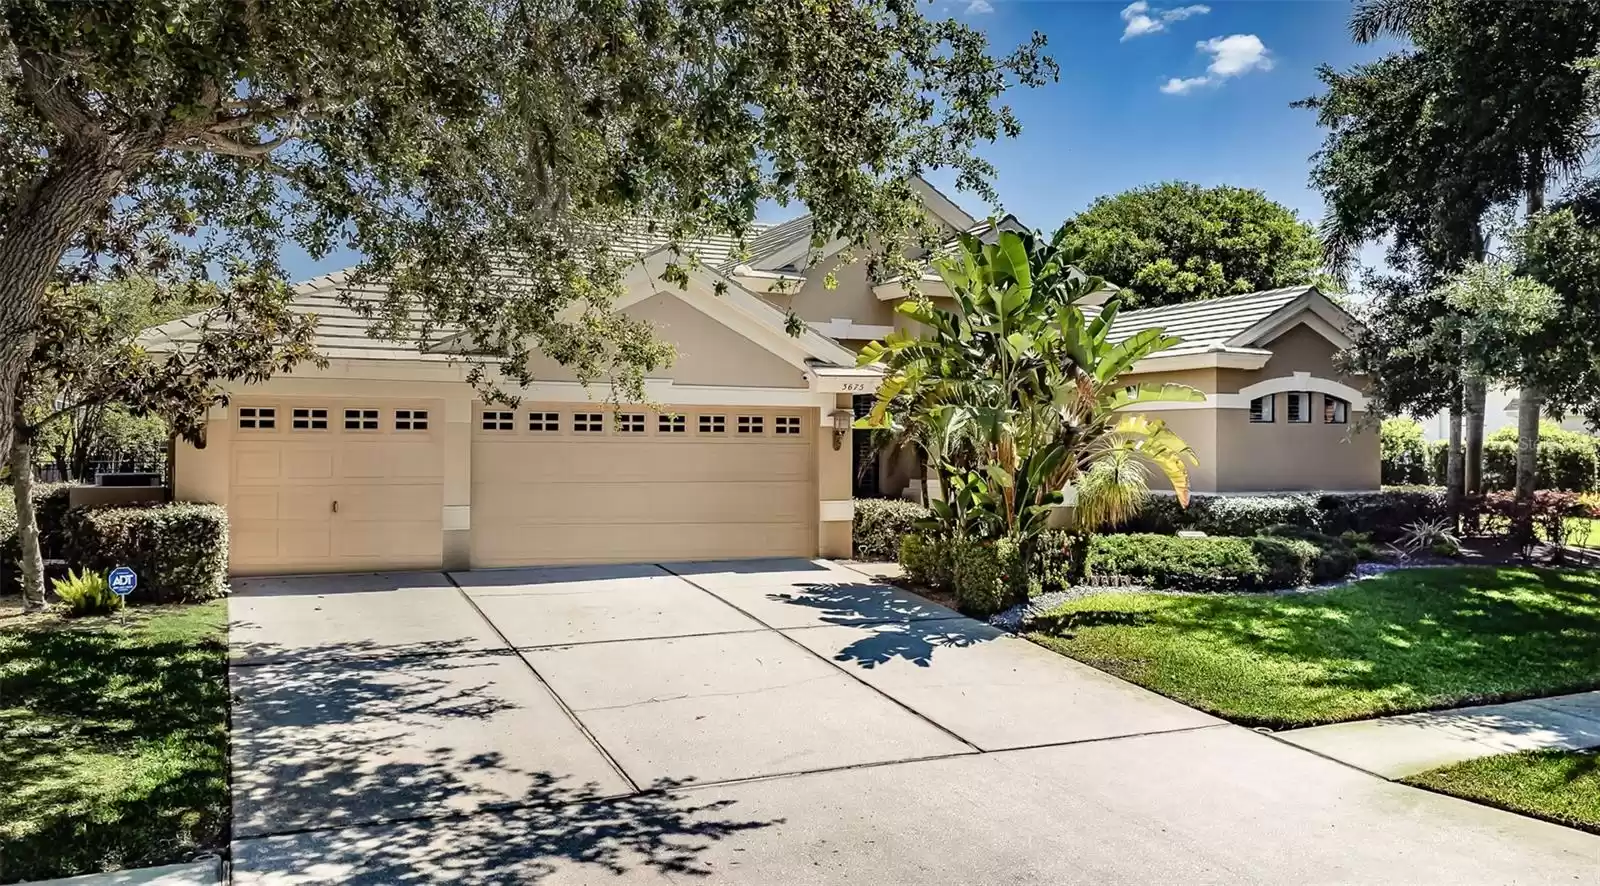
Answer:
(1214, 322)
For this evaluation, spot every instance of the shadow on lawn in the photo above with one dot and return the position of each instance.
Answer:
(114, 754)
(1425, 638)
(356, 765)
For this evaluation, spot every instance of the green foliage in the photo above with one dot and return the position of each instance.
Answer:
(1178, 242)
(1553, 784)
(50, 501)
(451, 141)
(1420, 639)
(1436, 536)
(1379, 513)
(1404, 453)
(180, 551)
(1016, 392)
(115, 755)
(1216, 564)
(928, 561)
(989, 576)
(880, 524)
(87, 594)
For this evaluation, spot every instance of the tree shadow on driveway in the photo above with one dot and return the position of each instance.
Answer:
(895, 623)
(459, 766)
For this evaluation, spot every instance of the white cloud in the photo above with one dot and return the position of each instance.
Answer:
(1230, 56)
(980, 7)
(1235, 55)
(1141, 19)
(1181, 85)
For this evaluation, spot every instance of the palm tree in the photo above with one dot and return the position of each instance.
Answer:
(1016, 394)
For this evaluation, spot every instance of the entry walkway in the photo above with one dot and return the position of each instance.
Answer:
(1400, 747)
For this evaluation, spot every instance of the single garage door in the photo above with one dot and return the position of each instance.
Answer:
(586, 484)
(318, 486)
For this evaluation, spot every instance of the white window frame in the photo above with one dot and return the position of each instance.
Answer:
(1263, 409)
(629, 423)
(260, 418)
(712, 424)
(411, 419)
(668, 423)
(310, 416)
(787, 425)
(588, 422)
(752, 424)
(1335, 410)
(365, 419)
(498, 420)
(541, 422)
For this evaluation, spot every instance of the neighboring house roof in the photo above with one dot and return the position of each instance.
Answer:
(776, 239)
(1215, 322)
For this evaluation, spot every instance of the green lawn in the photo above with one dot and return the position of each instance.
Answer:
(1406, 641)
(115, 749)
(1561, 786)
(1583, 532)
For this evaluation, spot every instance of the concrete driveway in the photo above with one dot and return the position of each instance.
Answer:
(770, 722)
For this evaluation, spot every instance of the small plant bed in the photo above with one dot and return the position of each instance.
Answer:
(1417, 639)
(1555, 785)
(115, 753)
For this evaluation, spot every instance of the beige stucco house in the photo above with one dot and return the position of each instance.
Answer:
(386, 459)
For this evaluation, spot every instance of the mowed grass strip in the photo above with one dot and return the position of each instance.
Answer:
(1406, 641)
(1555, 785)
(115, 749)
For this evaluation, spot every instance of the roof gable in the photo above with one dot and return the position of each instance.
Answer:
(1240, 321)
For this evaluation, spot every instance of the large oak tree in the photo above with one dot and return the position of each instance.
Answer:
(485, 157)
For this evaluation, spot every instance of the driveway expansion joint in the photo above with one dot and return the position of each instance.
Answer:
(561, 702)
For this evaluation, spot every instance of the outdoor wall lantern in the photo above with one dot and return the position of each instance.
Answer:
(843, 421)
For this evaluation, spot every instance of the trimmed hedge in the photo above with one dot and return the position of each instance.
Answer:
(50, 503)
(1216, 564)
(1383, 514)
(989, 576)
(986, 576)
(1564, 465)
(927, 561)
(880, 523)
(179, 550)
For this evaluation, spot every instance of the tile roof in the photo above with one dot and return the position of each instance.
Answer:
(1215, 322)
(770, 242)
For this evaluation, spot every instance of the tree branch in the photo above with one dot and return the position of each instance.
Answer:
(43, 85)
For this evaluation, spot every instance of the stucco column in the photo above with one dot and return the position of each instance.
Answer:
(458, 483)
(836, 508)
(203, 474)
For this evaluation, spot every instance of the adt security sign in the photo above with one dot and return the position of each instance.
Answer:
(123, 581)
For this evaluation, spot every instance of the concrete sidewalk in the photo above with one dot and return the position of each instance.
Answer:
(207, 872)
(1399, 747)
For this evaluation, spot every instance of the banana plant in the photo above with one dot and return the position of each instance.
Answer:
(1017, 393)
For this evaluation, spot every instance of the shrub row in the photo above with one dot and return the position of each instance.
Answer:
(1568, 466)
(985, 577)
(180, 551)
(1219, 563)
(880, 524)
(50, 502)
(1384, 515)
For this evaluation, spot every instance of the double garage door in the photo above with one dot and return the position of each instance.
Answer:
(562, 484)
(337, 486)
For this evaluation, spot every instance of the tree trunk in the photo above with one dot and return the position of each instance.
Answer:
(1529, 404)
(1475, 395)
(35, 236)
(1453, 466)
(32, 577)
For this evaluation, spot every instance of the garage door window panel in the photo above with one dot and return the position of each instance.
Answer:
(411, 419)
(588, 422)
(308, 419)
(258, 418)
(713, 424)
(751, 424)
(672, 424)
(630, 423)
(544, 422)
(786, 425)
(361, 419)
(497, 420)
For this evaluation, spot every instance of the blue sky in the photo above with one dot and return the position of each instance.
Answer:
(1109, 124)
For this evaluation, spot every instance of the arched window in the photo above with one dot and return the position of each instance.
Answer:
(1261, 409)
(1334, 410)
